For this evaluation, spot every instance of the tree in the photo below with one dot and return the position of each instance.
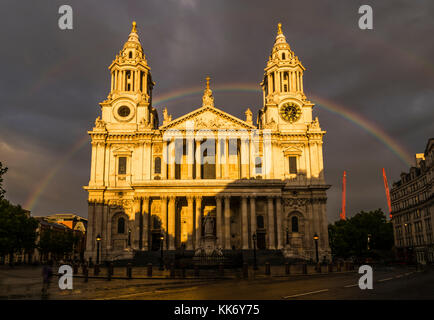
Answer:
(349, 238)
(17, 229)
(59, 243)
(3, 170)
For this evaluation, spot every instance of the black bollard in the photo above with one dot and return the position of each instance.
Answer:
(318, 268)
(196, 271)
(267, 268)
(304, 268)
(75, 268)
(330, 268)
(287, 268)
(86, 274)
(245, 270)
(172, 270)
(221, 269)
(96, 270)
(338, 266)
(109, 273)
(129, 271)
(149, 272)
(183, 271)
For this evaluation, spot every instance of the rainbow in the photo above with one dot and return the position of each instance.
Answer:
(326, 104)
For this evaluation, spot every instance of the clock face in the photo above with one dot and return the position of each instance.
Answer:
(124, 111)
(290, 112)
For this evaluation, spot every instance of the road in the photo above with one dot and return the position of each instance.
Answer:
(389, 283)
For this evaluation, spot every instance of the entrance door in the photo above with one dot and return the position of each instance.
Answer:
(156, 241)
(260, 240)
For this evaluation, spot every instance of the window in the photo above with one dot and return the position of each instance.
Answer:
(131, 55)
(122, 165)
(293, 165)
(283, 56)
(258, 165)
(157, 165)
(260, 222)
(121, 225)
(294, 224)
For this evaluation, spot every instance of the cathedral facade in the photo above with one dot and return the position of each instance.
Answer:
(251, 184)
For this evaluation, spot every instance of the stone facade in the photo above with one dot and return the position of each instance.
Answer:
(413, 210)
(149, 180)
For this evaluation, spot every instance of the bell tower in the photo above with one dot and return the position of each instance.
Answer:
(130, 99)
(285, 104)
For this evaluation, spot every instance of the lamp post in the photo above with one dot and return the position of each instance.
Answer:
(255, 267)
(98, 240)
(369, 241)
(161, 252)
(316, 238)
(287, 236)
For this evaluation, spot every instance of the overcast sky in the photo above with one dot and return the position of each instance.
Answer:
(52, 81)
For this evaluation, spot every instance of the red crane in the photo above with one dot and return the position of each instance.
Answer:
(344, 190)
(386, 186)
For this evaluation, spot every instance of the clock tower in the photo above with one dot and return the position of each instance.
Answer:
(286, 107)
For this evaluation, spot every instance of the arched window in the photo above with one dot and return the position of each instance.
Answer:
(294, 224)
(131, 55)
(157, 165)
(258, 165)
(121, 225)
(283, 56)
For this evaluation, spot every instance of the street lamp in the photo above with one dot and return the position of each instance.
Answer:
(287, 236)
(161, 252)
(369, 241)
(98, 240)
(316, 238)
(255, 267)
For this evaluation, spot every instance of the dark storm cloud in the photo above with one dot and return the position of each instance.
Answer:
(51, 80)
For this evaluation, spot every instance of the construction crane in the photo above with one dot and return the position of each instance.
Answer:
(386, 187)
(344, 190)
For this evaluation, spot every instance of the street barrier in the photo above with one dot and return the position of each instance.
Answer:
(267, 268)
(149, 271)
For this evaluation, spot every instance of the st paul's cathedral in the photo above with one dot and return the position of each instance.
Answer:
(206, 180)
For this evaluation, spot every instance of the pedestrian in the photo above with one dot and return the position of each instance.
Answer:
(47, 274)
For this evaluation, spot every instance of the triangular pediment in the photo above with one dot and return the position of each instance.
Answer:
(205, 118)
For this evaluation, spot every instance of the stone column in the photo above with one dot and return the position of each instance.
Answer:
(227, 222)
(190, 157)
(198, 159)
(136, 233)
(227, 173)
(145, 226)
(198, 224)
(190, 222)
(171, 223)
(244, 157)
(90, 234)
(171, 158)
(163, 211)
(270, 227)
(252, 218)
(279, 222)
(218, 173)
(164, 161)
(244, 223)
(109, 229)
(219, 233)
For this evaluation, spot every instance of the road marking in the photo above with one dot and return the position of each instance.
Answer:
(144, 293)
(399, 276)
(387, 279)
(305, 294)
(351, 285)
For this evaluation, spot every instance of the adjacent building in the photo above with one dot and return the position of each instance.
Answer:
(206, 172)
(413, 210)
